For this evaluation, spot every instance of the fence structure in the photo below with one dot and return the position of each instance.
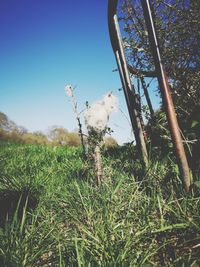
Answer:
(129, 92)
(130, 95)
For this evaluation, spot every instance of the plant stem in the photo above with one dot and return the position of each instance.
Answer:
(98, 164)
(75, 109)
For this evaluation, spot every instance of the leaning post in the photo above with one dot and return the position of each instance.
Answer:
(167, 98)
(117, 46)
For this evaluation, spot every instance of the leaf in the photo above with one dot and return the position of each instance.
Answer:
(197, 183)
(194, 124)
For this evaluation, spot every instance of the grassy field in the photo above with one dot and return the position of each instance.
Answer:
(52, 214)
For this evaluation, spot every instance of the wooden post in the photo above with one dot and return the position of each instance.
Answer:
(117, 46)
(167, 98)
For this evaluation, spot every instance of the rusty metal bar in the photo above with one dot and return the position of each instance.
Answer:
(117, 46)
(167, 98)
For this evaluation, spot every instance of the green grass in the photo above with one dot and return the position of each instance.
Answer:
(53, 215)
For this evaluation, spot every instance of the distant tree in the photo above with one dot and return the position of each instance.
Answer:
(14, 136)
(34, 138)
(110, 142)
(58, 135)
(61, 136)
(6, 124)
(8, 129)
(73, 139)
(22, 130)
(3, 135)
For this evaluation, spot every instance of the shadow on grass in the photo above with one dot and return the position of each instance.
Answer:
(12, 200)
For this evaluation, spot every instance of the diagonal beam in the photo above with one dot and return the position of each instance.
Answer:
(167, 98)
(116, 41)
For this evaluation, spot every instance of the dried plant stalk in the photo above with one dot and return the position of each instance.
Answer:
(98, 164)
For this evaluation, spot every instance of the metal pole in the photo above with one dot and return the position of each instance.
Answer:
(167, 98)
(117, 46)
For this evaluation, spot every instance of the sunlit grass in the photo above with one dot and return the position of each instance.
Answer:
(59, 218)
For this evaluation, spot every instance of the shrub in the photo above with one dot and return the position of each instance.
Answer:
(110, 142)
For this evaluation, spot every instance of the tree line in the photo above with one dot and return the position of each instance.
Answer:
(10, 131)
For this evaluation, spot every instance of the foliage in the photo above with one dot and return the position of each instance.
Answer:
(159, 135)
(177, 28)
(10, 131)
(34, 138)
(110, 142)
(127, 221)
(60, 136)
(5, 123)
(178, 31)
(193, 135)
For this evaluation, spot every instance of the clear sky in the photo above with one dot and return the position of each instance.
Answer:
(46, 44)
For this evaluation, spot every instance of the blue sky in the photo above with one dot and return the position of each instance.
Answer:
(46, 44)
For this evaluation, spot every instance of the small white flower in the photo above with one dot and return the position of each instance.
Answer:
(69, 90)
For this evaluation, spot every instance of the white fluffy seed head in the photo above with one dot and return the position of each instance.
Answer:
(69, 90)
(110, 102)
(97, 115)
